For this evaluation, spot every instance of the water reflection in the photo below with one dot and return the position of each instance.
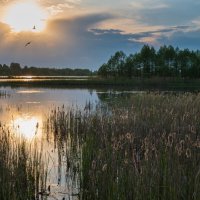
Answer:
(29, 91)
(26, 108)
(28, 126)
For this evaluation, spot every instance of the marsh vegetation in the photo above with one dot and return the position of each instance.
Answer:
(148, 148)
(143, 145)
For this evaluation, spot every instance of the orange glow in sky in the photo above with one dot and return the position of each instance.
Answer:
(25, 16)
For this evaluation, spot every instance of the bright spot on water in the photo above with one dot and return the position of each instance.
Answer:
(29, 92)
(27, 126)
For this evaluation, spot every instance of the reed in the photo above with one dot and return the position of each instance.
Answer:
(4, 94)
(22, 171)
(148, 148)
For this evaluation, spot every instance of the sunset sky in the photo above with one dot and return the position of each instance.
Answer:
(85, 33)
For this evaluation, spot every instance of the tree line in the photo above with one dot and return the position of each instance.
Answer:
(165, 62)
(15, 69)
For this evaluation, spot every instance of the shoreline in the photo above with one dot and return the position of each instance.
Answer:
(134, 83)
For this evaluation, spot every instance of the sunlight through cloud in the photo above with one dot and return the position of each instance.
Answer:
(25, 16)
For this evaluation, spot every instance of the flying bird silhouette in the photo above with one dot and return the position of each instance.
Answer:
(28, 43)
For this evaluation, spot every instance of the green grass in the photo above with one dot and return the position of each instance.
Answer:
(147, 149)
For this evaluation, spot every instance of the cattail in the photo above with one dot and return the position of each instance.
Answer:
(188, 153)
(93, 164)
(121, 137)
(129, 136)
(115, 146)
(136, 161)
(187, 138)
(182, 142)
(119, 145)
(193, 129)
(146, 153)
(104, 168)
(126, 161)
(154, 152)
(170, 140)
(178, 150)
(197, 144)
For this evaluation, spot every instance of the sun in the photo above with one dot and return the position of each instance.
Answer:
(25, 16)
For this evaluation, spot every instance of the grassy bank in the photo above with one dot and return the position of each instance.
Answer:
(147, 149)
(22, 172)
(134, 83)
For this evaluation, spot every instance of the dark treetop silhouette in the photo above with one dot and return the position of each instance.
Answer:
(166, 62)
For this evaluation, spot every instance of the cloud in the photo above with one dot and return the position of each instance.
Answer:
(4, 29)
(149, 5)
(58, 6)
(140, 37)
(68, 42)
(176, 13)
(53, 7)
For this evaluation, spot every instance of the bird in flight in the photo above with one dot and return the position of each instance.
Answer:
(28, 43)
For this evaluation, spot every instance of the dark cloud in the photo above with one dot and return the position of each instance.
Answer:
(106, 31)
(119, 35)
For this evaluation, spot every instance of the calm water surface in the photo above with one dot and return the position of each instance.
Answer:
(26, 108)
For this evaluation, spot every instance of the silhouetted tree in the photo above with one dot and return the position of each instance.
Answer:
(148, 58)
(132, 66)
(194, 70)
(116, 63)
(184, 62)
(167, 61)
(15, 69)
(104, 70)
(6, 70)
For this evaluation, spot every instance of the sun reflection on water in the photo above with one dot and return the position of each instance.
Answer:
(28, 77)
(29, 91)
(28, 126)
